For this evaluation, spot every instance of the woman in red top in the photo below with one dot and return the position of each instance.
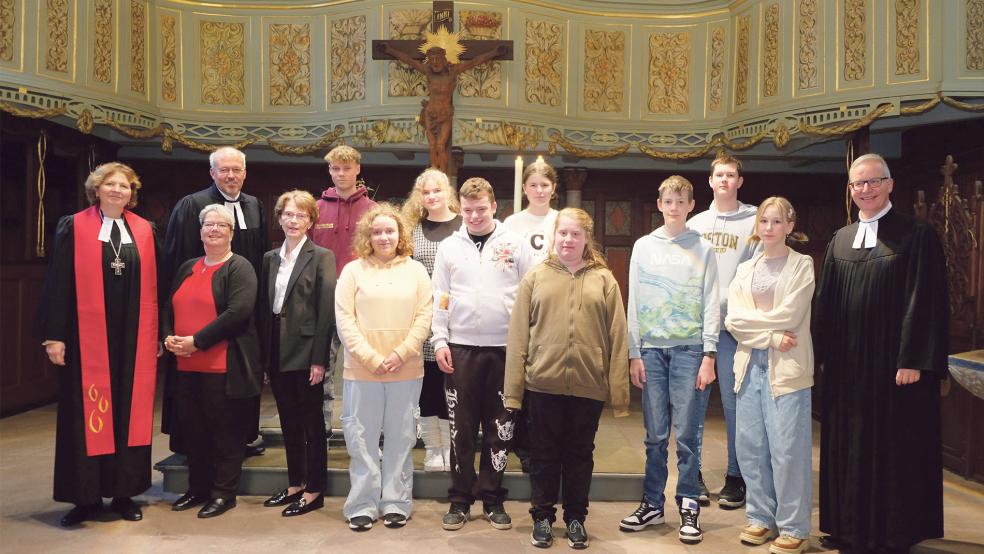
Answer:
(209, 327)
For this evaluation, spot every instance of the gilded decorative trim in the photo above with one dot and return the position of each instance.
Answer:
(8, 22)
(770, 62)
(669, 73)
(907, 36)
(516, 136)
(557, 138)
(854, 40)
(222, 62)
(382, 132)
(975, 34)
(483, 81)
(102, 41)
(138, 46)
(808, 38)
(827, 121)
(348, 59)
(56, 57)
(407, 24)
(168, 58)
(604, 70)
(716, 92)
(741, 63)
(290, 64)
(543, 63)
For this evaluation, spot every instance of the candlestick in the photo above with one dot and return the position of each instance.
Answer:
(518, 186)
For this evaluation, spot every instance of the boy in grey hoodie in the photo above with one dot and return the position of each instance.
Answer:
(726, 224)
(673, 322)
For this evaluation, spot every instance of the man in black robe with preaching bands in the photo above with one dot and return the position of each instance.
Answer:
(183, 241)
(880, 332)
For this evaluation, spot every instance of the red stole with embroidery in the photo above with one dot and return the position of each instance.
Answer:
(97, 401)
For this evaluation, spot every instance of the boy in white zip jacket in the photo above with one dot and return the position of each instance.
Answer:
(476, 273)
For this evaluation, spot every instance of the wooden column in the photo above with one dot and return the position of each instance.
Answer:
(573, 179)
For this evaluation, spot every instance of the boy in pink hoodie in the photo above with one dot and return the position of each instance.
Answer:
(340, 208)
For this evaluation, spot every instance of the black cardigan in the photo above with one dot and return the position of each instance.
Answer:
(234, 294)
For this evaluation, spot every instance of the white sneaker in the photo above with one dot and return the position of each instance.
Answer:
(433, 460)
(645, 515)
(690, 532)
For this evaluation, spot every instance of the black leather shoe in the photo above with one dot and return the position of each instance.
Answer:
(217, 507)
(254, 451)
(127, 509)
(283, 498)
(79, 514)
(187, 501)
(831, 542)
(302, 506)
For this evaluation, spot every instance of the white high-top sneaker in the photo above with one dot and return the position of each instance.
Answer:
(430, 432)
(445, 426)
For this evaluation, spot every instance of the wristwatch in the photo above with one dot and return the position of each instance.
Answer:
(711, 354)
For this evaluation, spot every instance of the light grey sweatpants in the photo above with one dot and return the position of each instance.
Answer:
(370, 408)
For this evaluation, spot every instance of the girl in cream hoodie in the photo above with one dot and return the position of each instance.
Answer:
(383, 306)
(769, 315)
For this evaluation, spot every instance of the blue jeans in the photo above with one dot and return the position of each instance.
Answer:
(726, 347)
(670, 395)
(775, 449)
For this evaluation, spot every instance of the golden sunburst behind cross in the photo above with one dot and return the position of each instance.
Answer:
(449, 42)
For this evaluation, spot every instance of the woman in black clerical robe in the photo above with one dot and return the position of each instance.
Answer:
(98, 320)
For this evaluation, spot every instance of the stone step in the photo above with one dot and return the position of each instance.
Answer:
(267, 474)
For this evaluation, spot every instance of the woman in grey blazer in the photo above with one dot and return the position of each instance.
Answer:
(295, 311)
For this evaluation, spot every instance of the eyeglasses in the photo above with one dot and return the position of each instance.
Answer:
(230, 171)
(871, 183)
(297, 216)
(215, 225)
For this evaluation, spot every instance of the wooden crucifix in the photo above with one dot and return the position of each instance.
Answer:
(447, 58)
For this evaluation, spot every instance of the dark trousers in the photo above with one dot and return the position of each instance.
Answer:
(474, 398)
(303, 425)
(562, 431)
(521, 439)
(212, 424)
(432, 401)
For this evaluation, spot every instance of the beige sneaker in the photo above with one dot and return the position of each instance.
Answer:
(789, 545)
(754, 534)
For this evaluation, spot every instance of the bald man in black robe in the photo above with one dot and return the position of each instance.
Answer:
(880, 332)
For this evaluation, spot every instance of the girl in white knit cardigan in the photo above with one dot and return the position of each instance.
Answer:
(769, 315)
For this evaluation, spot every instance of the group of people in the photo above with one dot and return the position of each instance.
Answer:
(444, 321)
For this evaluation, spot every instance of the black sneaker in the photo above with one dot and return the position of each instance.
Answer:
(577, 537)
(542, 535)
(360, 523)
(498, 517)
(705, 495)
(733, 494)
(394, 520)
(456, 517)
(645, 515)
(690, 532)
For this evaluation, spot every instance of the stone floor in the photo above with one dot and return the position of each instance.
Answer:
(29, 518)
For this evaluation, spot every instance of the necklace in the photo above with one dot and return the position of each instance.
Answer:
(117, 264)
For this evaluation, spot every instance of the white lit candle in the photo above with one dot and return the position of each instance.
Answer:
(518, 186)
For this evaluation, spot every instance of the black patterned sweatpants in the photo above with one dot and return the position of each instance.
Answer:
(474, 396)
